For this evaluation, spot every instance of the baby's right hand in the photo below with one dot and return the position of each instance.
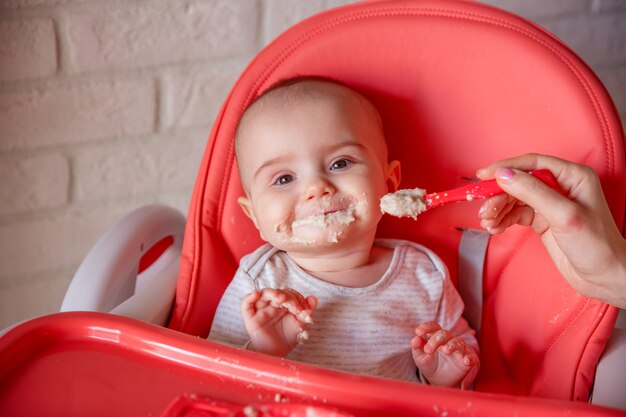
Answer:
(276, 319)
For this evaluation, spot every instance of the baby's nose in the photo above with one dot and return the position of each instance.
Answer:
(318, 187)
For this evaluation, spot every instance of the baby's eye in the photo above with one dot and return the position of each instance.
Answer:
(342, 163)
(284, 179)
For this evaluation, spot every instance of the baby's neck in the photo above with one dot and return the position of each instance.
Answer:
(360, 267)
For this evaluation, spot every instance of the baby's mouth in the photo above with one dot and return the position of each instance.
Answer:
(324, 223)
(327, 219)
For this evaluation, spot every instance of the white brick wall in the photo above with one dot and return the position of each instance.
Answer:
(158, 33)
(77, 111)
(105, 106)
(28, 49)
(190, 95)
(141, 168)
(33, 182)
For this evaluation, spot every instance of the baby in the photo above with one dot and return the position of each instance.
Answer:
(313, 164)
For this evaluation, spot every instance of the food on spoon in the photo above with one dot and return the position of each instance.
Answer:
(404, 203)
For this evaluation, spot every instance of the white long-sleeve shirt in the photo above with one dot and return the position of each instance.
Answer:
(364, 330)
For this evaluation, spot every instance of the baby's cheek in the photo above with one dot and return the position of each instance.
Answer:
(270, 226)
(281, 230)
(368, 208)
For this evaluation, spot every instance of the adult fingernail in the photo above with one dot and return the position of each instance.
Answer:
(504, 174)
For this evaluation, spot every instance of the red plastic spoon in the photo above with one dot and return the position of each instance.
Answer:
(410, 203)
(482, 189)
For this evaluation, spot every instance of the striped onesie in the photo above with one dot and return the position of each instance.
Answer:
(364, 330)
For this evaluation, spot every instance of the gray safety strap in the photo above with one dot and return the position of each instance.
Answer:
(472, 251)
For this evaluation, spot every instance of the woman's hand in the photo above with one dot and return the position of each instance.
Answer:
(577, 229)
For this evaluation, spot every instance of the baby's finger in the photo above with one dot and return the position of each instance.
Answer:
(425, 362)
(265, 316)
(248, 307)
(456, 344)
(427, 328)
(290, 300)
(417, 343)
(465, 357)
(295, 294)
(297, 305)
(438, 339)
(470, 358)
(312, 301)
(282, 298)
(261, 304)
(295, 299)
(274, 297)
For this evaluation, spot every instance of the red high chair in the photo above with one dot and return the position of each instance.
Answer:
(459, 85)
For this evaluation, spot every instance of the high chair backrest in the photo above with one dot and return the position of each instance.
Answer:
(459, 85)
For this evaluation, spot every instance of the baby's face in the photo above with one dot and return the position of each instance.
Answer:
(314, 173)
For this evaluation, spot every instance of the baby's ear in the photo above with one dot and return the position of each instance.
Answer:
(246, 206)
(393, 176)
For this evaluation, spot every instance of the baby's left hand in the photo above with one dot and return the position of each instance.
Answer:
(444, 360)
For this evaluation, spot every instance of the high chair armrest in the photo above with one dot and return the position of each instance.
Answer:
(610, 380)
(154, 293)
(108, 281)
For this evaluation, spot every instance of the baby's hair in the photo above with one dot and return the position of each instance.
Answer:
(284, 92)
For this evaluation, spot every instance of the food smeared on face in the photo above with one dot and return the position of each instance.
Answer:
(325, 224)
